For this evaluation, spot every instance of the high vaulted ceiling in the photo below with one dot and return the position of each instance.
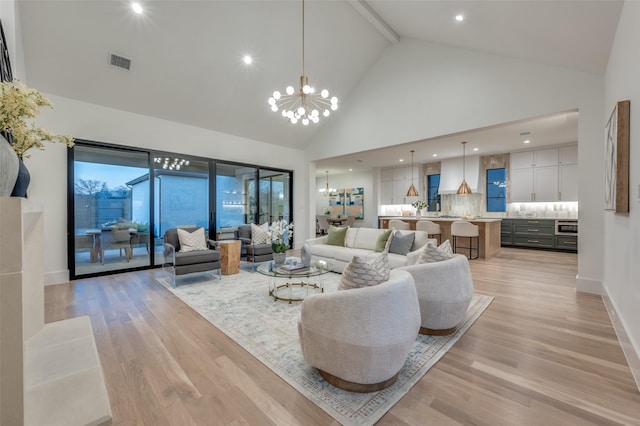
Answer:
(187, 55)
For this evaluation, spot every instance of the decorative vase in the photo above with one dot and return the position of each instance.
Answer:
(305, 254)
(22, 182)
(279, 258)
(9, 166)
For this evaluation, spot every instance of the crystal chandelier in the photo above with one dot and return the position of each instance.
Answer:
(305, 104)
(325, 191)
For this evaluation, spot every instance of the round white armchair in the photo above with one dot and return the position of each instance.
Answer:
(359, 339)
(445, 290)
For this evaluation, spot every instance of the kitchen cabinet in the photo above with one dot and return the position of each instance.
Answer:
(386, 192)
(536, 158)
(568, 182)
(506, 232)
(535, 233)
(548, 175)
(534, 184)
(395, 182)
(568, 154)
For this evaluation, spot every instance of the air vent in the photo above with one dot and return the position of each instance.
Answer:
(525, 133)
(119, 62)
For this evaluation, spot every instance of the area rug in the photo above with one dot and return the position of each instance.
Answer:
(240, 306)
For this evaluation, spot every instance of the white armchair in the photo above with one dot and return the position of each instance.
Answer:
(445, 290)
(359, 339)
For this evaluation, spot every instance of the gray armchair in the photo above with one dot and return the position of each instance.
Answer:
(179, 263)
(254, 253)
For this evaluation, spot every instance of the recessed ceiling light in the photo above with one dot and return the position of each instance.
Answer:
(459, 17)
(350, 170)
(527, 141)
(137, 7)
(247, 59)
(434, 155)
(475, 149)
(401, 160)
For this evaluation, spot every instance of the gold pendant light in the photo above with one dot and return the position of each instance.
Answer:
(412, 192)
(464, 187)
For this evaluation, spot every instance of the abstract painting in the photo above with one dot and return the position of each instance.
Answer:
(616, 166)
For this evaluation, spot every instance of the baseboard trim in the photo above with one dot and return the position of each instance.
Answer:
(56, 277)
(586, 285)
(631, 352)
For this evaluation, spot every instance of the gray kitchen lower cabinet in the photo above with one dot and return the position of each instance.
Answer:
(535, 233)
(567, 242)
(537, 241)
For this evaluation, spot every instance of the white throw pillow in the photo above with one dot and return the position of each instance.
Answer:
(360, 273)
(431, 253)
(260, 234)
(192, 241)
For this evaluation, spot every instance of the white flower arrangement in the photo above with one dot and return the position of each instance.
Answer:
(419, 205)
(18, 103)
(280, 233)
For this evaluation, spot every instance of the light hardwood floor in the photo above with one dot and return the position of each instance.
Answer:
(542, 354)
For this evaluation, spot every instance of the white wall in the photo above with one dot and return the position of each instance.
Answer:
(87, 121)
(10, 16)
(418, 90)
(622, 231)
(351, 180)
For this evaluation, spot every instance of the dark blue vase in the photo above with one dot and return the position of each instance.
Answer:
(22, 183)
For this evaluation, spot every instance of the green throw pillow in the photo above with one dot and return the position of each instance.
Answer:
(381, 242)
(336, 236)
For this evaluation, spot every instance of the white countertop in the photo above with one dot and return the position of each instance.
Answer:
(443, 219)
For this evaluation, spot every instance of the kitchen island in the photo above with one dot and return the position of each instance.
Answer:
(488, 228)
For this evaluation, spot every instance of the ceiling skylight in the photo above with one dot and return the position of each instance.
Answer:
(137, 7)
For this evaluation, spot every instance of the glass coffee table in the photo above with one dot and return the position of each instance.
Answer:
(294, 285)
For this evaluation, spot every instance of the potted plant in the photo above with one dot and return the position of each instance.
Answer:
(281, 234)
(18, 105)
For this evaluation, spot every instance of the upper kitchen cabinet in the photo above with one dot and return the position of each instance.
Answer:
(544, 175)
(568, 154)
(395, 182)
(537, 158)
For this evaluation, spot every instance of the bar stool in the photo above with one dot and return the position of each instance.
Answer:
(464, 229)
(399, 224)
(431, 228)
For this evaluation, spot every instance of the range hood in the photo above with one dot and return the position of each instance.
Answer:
(451, 174)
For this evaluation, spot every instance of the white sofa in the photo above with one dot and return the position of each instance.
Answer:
(362, 242)
(359, 339)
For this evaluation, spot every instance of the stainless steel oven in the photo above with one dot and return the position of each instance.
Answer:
(566, 227)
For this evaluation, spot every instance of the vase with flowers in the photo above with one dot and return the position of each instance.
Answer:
(419, 205)
(281, 233)
(20, 104)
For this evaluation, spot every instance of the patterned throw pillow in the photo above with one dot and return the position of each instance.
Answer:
(431, 253)
(260, 234)
(360, 273)
(192, 241)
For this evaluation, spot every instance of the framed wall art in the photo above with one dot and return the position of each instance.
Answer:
(347, 201)
(616, 166)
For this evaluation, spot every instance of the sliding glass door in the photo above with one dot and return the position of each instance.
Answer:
(110, 211)
(181, 194)
(122, 201)
(274, 196)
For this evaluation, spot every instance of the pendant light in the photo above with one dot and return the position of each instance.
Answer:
(412, 192)
(326, 191)
(464, 187)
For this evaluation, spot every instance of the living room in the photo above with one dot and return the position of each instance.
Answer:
(497, 89)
